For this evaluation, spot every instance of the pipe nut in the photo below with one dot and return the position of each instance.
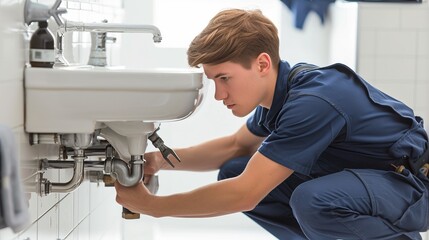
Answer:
(127, 214)
(109, 181)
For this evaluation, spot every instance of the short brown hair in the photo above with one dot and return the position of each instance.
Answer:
(235, 35)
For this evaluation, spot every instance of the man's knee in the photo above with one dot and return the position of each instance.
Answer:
(232, 168)
(306, 203)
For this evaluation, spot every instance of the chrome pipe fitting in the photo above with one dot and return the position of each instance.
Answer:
(77, 141)
(126, 174)
(77, 178)
(44, 138)
(64, 164)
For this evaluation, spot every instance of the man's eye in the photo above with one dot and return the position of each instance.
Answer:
(224, 78)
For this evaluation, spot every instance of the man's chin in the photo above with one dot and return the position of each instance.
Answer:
(239, 113)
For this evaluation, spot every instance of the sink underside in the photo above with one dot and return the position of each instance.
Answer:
(80, 100)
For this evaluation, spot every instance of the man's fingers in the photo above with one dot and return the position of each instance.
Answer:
(117, 185)
(118, 199)
(147, 178)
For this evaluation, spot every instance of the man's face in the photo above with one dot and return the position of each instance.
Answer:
(240, 89)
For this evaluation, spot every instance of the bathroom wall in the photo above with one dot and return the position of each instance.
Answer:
(90, 212)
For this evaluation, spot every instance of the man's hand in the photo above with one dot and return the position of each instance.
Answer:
(154, 162)
(134, 198)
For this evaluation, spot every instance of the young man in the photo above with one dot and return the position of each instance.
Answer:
(322, 156)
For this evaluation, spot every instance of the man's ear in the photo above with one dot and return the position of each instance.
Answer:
(264, 62)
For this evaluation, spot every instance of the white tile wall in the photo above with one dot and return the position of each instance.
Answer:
(85, 213)
(344, 34)
(395, 69)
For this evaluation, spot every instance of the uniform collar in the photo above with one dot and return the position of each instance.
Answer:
(269, 116)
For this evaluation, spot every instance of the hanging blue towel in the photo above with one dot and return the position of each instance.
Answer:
(301, 8)
(13, 205)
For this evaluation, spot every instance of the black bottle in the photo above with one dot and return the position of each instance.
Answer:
(42, 53)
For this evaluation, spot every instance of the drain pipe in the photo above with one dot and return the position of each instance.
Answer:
(126, 176)
(75, 181)
(119, 169)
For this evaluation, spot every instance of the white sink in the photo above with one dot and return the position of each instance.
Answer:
(81, 99)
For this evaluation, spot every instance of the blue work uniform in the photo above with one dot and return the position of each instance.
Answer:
(340, 136)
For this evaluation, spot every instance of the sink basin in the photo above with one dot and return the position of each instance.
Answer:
(81, 99)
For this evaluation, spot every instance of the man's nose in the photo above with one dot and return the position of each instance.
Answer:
(220, 93)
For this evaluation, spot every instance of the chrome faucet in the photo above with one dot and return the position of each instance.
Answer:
(99, 31)
(38, 12)
(97, 56)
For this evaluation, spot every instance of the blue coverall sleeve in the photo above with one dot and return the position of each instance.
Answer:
(305, 127)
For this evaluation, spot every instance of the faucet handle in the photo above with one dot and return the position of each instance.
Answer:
(111, 39)
(55, 12)
(34, 12)
(105, 37)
